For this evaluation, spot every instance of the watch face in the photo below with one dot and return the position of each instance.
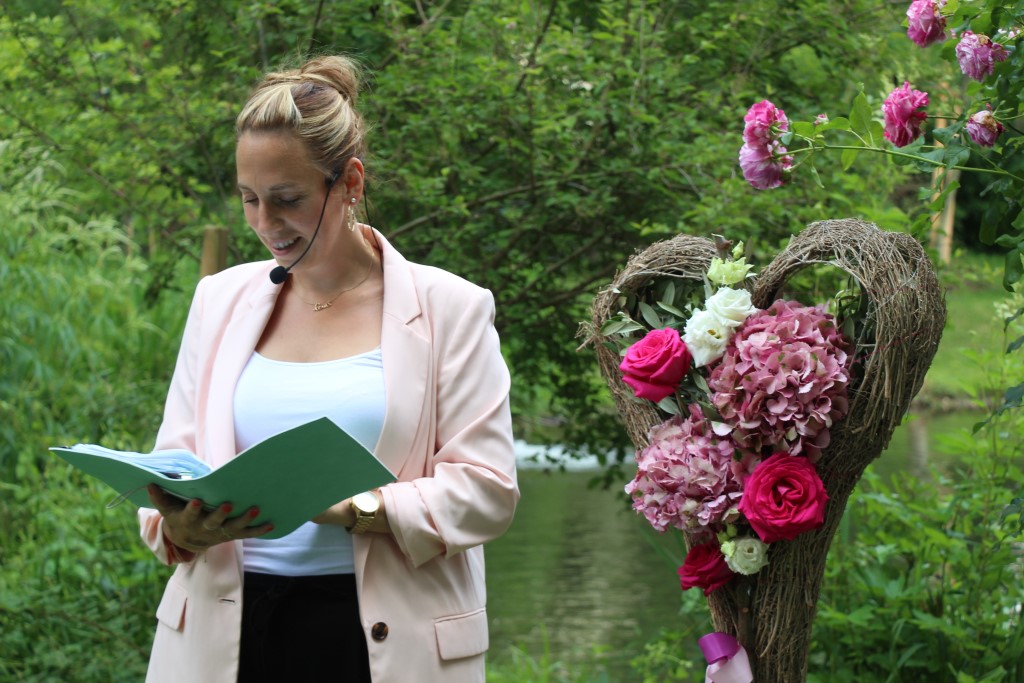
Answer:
(366, 502)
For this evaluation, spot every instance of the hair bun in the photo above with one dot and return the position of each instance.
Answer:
(334, 71)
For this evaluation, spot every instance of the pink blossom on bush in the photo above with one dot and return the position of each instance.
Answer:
(782, 383)
(683, 477)
(902, 118)
(983, 128)
(925, 24)
(977, 55)
(758, 123)
(765, 167)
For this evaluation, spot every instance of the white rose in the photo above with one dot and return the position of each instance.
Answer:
(745, 555)
(732, 306)
(705, 336)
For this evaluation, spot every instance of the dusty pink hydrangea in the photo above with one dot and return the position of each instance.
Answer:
(782, 383)
(977, 55)
(983, 128)
(760, 121)
(684, 479)
(925, 24)
(903, 117)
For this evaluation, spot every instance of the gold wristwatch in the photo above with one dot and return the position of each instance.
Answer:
(365, 505)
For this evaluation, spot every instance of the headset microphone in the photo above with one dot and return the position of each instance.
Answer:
(280, 273)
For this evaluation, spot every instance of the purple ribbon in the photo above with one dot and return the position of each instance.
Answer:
(727, 660)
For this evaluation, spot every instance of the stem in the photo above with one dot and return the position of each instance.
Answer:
(995, 171)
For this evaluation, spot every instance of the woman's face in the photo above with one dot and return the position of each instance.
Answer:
(283, 194)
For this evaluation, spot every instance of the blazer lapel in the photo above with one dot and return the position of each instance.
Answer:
(235, 349)
(408, 366)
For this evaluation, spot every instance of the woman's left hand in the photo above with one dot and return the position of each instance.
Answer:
(341, 514)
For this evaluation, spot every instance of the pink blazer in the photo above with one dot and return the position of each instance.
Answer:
(447, 436)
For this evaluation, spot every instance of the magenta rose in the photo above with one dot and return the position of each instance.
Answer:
(656, 364)
(983, 128)
(765, 167)
(925, 24)
(977, 55)
(783, 498)
(903, 117)
(759, 121)
(704, 568)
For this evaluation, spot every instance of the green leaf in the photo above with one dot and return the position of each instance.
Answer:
(860, 115)
(957, 155)
(669, 405)
(650, 316)
(848, 157)
(665, 306)
(838, 123)
(1013, 269)
(802, 128)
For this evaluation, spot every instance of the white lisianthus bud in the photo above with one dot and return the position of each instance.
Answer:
(746, 555)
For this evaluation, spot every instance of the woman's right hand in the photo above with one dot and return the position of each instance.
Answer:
(190, 527)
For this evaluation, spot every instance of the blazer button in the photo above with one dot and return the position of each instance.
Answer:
(379, 631)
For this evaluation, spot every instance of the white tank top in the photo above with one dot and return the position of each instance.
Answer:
(273, 396)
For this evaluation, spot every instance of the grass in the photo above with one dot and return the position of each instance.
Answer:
(973, 288)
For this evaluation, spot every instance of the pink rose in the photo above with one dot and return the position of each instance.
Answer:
(783, 498)
(925, 24)
(763, 168)
(983, 128)
(758, 123)
(656, 364)
(977, 55)
(705, 568)
(902, 118)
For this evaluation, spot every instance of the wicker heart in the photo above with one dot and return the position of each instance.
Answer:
(771, 612)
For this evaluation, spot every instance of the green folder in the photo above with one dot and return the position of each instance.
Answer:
(292, 476)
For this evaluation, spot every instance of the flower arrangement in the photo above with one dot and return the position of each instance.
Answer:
(750, 396)
(752, 520)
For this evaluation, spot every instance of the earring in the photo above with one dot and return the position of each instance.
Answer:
(352, 215)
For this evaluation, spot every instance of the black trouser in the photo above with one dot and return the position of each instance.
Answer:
(303, 628)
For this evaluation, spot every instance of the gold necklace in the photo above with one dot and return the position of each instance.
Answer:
(317, 307)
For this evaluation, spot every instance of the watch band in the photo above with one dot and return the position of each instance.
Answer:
(363, 523)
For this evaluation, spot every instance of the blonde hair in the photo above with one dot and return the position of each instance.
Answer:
(316, 102)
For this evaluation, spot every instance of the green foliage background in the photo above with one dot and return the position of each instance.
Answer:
(529, 146)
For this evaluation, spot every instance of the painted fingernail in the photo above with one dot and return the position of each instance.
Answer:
(194, 503)
(226, 508)
(254, 512)
(270, 528)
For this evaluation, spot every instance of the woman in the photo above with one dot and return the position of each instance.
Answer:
(389, 585)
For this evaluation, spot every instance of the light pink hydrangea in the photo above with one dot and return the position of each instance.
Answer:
(782, 383)
(983, 128)
(684, 479)
(903, 117)
(925, 24)
(977, 55)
